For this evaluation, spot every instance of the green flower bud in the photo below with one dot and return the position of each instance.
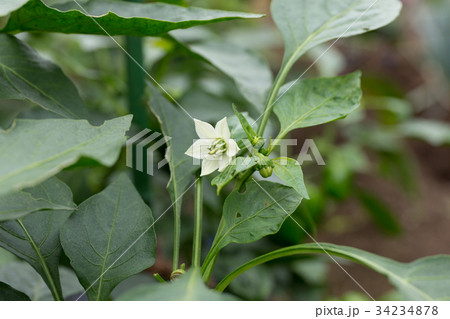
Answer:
(266, 171)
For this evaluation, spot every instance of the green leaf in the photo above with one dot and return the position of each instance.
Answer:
(7, 293)
(177, 125)
(33, 150)
(110, 238)
(35, 239)
(382, 215)
(250, 72)
(253, 214)
(236, 130)
(248, 129)
(423, 279)
(114, 18)
(238, 165)
(26, 76)
(177, 2)
(50, 195)
(316, 101)
(8, 6)
(21, 276)
(290, 172)
(305, 24)
(6, 257)
(189, 287)
(436, 133)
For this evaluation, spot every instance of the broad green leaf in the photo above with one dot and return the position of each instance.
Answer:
(8, 6)
(114, 18)
(7, 293)
(253, 214)
(9, 110)
(35, 239)
(423, 279)
(250, 72)
(189, 287)
(132, 282)
(290, 172)
(33, 150)
(238, 165)
(177, 2)
(6, 257)
(110, 238)
(50, 195)
(305, 24)
(179, 127)
(316, 101)
(435, 133)
(21, 276)
(26, 76)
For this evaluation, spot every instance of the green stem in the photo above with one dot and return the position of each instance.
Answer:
(50, 282)
(277, 84)
(209, 267)
(198, 207)
(176, 234)
(210, 260)
(136, 102)
(159, 278)
(275, 142)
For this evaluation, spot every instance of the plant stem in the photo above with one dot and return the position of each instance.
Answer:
(176, 234)
(198, 216)
(209, 267)
(210, 260)
(277, 84)
(159, 278)
(136, 103)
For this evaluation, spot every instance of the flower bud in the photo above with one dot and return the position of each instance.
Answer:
(266, 171)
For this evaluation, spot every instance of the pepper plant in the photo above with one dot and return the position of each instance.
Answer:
(111, 236)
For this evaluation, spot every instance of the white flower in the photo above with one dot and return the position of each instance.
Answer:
(215, 146)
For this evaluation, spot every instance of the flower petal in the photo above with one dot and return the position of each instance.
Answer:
(233, 148)
(204, 130)
(200, 148)
(224, 162)
(222, 129)
(209, 166)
